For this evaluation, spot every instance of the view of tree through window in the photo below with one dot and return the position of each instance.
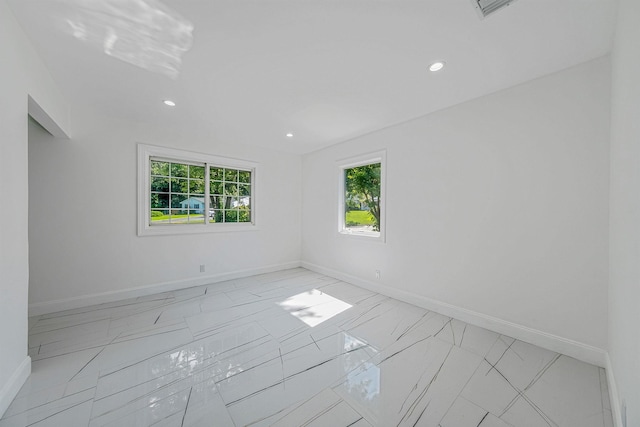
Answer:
(179, 194)
(230, 199)
(362, 197)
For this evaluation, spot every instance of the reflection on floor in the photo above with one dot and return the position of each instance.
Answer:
(293, 348)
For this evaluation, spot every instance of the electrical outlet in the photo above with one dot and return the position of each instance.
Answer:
(201, 268)
(378, 274)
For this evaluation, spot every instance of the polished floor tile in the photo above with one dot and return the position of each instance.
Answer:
(293, 348)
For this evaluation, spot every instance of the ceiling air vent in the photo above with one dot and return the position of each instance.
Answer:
(487, 7)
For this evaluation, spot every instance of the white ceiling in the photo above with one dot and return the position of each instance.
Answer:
(325, 70)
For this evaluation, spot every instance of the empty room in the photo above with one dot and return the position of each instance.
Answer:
(320, 213)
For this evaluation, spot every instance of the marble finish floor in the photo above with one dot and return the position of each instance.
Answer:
(293, 348)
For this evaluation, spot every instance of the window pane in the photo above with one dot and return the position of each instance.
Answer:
(180, 201)
(216, 216)
(196, 204)
(362, 197)
(159, 215)
(160, 168)
(216, 202)
(244, 216)
(196, 186)
(231, 216)
(159, 200)
(216, 187)
(216, 174)
(231, 189)
(245, 190)
(179, 185)
(196, 172)
(178, 169)
(231, 175)
(230, 202)
(244, 202)
(160, 184)
(244, 176)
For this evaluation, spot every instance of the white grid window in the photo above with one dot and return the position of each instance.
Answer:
(184, 192)
(230, 194)
(177, 193)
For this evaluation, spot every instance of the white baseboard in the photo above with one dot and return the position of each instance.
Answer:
(40, 308)
(11, 388)
(613, 393)
(575, 349)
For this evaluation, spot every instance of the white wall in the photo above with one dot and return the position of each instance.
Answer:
(497, 205)
(21, 74)
(624, 285)
(83, 215)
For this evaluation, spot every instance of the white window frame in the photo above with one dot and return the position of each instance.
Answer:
(361, 160)
(146, 152)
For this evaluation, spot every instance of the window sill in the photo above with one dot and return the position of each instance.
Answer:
(172, 230)
(365, 235)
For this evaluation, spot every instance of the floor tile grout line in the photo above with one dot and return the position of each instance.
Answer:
(462, 389)
(49, 402)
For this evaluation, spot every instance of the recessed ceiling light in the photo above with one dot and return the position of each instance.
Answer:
(289, 135)
(436, 66)
(169, 103)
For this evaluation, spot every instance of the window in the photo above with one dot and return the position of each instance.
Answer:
(184, 192)
(230, 199)
(176, 189)
(361, 205)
